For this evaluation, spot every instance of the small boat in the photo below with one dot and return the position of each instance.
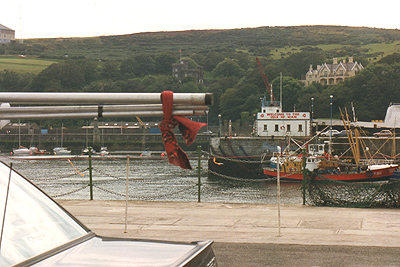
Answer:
(37, 151)
(21, 151)
(61, 151)
(146, 153)
(85, 151)
(104, 151)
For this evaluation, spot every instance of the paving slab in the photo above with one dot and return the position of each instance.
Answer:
(240, 223)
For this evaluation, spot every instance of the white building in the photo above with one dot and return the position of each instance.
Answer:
(272, 121)
(6, 34)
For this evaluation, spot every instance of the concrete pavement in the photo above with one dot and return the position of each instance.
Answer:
(246, 223)
(355, 234)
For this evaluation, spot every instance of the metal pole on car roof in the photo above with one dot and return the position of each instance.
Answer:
(92, 108)
(103, 98)
(70, 115)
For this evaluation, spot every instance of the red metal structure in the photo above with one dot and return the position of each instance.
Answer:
(269, 87)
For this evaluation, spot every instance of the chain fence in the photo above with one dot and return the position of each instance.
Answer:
(157, 180)
(148, 180)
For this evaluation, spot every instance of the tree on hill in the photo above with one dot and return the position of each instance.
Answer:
(228, 68)
(138, 66)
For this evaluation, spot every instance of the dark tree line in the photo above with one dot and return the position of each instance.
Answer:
(234, 79)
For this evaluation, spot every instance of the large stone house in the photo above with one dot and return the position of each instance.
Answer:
(181, 70)
(6, 34)
(331, 74)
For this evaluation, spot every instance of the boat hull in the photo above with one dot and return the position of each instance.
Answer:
(22, 151)
(61, 151)
(373, 175)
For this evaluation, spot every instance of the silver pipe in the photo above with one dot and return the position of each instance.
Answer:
(103, 98)
(95, 114)
(108, 108)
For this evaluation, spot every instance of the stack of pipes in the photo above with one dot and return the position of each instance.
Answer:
(107, 105)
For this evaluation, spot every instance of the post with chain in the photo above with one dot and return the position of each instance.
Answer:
(303, 186)
(90, 173)
(198, 173)
(126, 193)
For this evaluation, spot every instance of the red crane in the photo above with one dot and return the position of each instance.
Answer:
(269, 87)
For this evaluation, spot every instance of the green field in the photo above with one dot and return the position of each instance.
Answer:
(381, 49)
(24, 65)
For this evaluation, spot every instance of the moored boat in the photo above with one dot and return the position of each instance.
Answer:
(61, 151)
(85, 151)
(21, 151)
(373, 173)
(104, 151)
(318, 162)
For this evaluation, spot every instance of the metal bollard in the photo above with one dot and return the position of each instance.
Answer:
(198, 173)
(90, 173)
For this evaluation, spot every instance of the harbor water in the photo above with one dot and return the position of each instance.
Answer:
(144, 179)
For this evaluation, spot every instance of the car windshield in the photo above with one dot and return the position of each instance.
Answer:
(33, 223)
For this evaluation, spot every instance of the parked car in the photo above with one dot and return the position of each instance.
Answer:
(343, 133)
(327, 133)
(39, 232)
(383, 133)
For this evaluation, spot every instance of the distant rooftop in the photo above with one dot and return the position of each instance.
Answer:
(2, 27)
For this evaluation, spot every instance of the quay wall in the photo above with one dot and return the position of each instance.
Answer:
(251, 146)
(114, 142)
(223, 146)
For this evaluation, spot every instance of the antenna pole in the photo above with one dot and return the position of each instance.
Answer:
(280, 94)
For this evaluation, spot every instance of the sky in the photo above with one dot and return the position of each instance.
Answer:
(87, 18)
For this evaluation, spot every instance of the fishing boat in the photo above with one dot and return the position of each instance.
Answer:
(293, 171)
(318, 162)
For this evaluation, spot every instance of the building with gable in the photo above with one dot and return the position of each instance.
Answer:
(331, 74)
(6, 34)
(182, 70)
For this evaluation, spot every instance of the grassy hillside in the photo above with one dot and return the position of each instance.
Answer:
(368, 44)
(24, 65)
(256, 41)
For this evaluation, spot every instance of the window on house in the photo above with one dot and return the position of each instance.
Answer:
(288, 127)
(265, 128)
(300, 127)
(276, 128)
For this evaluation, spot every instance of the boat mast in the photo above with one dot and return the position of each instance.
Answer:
(394, 140)
(280, 95)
